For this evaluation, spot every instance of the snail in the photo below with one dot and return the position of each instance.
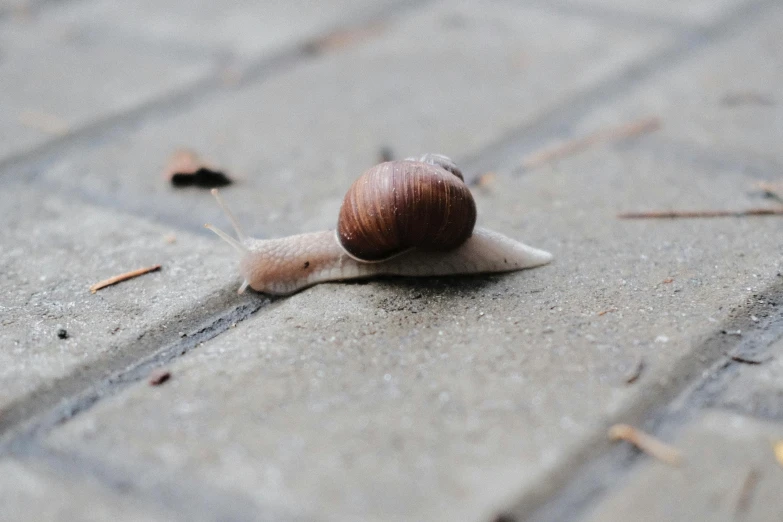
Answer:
(414, 217)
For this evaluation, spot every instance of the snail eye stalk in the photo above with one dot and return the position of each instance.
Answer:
(242, 249)
(234, 223)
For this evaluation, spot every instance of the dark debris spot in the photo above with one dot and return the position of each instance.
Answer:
(158, 377)
(202, 178)
(386, 154)
(306, 265)
(62, 333)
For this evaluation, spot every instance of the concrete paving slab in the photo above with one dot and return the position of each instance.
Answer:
(450, 398)
(31, 492)
(730, 473)
(724, 98)
(399, 399)
(53, 250)
(297, 140)
(38, 484)
(56, 77)
(243, 28)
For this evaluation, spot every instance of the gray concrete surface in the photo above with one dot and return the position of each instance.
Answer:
(671, 11)
(273, 134)
(58, 249)
(39, 493)
(475, 398)
(754, 389)
(723, 100)
(730, 473)
(507, 373)
(730, 468)
(56, 75)
(241, 29)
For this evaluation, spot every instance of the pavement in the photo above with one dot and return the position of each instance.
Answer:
(484, 398)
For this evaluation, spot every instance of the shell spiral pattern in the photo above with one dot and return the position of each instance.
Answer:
(401, 205)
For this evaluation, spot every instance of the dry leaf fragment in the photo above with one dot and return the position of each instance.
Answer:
(186, 169)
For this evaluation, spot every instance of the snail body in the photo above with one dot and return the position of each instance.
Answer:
(403, 218)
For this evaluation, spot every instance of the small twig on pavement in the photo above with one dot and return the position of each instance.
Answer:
(672, 214)
(772, 190)
(123, 277)
(746, 491)
(746, 360)
(635, 371)
(647, 443)
(571, 147)
(158, 377)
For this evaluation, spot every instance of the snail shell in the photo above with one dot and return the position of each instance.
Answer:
(400, 205)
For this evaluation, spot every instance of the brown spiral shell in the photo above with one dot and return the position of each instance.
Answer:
(399, 205)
